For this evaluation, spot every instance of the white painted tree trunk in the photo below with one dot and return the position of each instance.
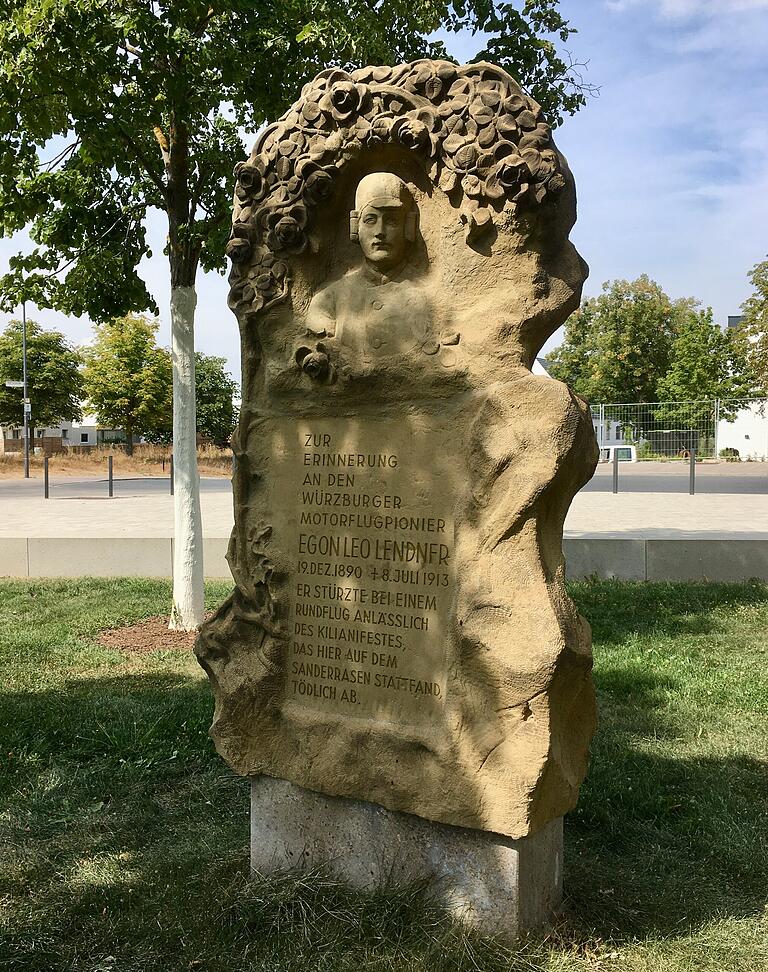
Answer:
(188, 593)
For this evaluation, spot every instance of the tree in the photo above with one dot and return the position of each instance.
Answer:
(755, 324)
(618, 346)
(53, 376)
(214, 391)
(139, 105)
(127, 378)
(707, 363)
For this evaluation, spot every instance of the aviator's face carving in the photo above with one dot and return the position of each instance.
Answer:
(382, 235)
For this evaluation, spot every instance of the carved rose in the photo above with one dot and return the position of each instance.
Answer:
(510, 178)
(316, 365)
(238, 250)
(285, 231)
(512, 171)
(412, 133)
(318, 187)
(345, 98)
(250, 179)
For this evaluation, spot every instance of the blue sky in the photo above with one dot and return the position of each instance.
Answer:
(670, 160)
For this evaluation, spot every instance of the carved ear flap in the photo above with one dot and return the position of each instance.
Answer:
(411, 221)
(354, 223)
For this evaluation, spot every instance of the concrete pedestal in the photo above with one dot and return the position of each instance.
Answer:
(499, 885)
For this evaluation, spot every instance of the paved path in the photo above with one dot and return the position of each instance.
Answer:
(139, 512)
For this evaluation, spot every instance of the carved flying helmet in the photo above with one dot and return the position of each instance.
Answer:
(384, 190)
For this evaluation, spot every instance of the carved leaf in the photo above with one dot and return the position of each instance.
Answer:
(452, 144)
(466, 156)
(433, 88)
(310, 110)
(448, 180)
(486, 136)
(283, 168)
(526, 120)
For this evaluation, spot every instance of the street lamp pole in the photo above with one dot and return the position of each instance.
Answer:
(27, 407)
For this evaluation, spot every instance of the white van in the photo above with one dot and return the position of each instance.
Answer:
(624, 453)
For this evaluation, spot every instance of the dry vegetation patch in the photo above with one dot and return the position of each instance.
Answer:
(147, 460)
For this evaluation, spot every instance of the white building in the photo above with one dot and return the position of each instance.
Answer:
(747, 433)
(84, 434)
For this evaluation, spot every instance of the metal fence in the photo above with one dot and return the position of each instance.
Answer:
(663, 430)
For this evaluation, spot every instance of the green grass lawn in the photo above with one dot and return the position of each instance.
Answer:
(124, 841)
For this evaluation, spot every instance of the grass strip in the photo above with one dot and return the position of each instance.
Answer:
(124, 843)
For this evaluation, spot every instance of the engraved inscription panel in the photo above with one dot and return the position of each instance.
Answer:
(363, 510)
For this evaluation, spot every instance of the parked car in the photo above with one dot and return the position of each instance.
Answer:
(624, 453)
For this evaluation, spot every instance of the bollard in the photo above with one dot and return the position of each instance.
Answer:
(692, 473)
(615, 470)
(45, 478)
(171, 465)
(111, 481)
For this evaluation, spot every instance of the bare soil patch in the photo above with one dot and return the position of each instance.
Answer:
(146, 636)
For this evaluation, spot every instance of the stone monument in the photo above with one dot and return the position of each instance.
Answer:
(399, 668)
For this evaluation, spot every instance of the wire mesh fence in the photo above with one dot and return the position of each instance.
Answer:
(712, 428)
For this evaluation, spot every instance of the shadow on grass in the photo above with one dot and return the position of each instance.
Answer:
(619, 610)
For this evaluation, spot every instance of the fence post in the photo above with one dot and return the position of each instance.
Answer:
(111, 487)
(615, 470)
(45, 478)
(171, 466)
(692, 473)
(717, 423)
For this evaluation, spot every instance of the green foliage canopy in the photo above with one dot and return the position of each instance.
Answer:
(127, 378)
(618, 346)
(53, 376)
(214, 392)
(111, 108)
(706, 363)
(755, 324)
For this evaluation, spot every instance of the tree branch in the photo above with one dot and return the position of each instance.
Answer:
(165, 148)
(60, 157)
(141, 159)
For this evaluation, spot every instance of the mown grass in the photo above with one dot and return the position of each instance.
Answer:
(124, 838)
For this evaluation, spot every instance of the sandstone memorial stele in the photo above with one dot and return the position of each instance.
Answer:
(399, 667)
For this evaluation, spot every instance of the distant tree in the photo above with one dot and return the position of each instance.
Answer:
(707, 363)
(214, 392)
(755, 324)
(53, 376)
(127, 379)
(216, 412)
(618, 346)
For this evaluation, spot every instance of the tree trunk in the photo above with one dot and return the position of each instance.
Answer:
(188, 591)
(129, 441)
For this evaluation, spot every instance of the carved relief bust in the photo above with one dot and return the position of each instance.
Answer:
(378, 308)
